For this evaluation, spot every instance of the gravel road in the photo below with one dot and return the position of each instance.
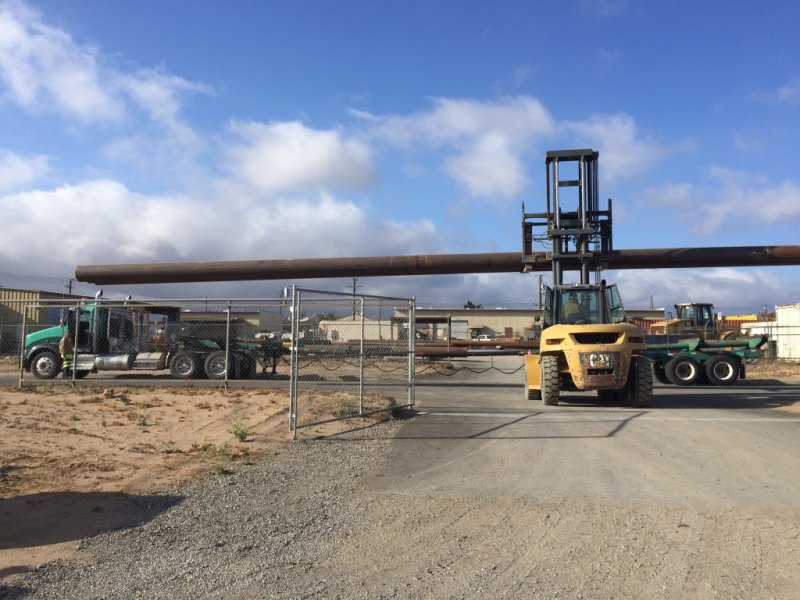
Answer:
(480, 496)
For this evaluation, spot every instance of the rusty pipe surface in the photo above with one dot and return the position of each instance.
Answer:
(430, 264)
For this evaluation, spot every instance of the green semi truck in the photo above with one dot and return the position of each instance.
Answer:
(114, 338)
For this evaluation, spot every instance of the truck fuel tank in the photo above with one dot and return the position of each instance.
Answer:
(114, 362)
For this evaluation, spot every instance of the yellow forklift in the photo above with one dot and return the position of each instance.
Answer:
(585, 343)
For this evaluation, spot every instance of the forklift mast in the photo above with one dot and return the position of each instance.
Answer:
(575, 230)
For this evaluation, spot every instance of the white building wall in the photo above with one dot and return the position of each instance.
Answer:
(787, 335)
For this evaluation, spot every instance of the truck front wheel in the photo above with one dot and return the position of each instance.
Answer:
(46, 365)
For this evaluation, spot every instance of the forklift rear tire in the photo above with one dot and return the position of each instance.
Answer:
(551, 380)
(639, 390)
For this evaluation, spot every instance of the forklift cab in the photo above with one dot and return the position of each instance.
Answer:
(583, 305)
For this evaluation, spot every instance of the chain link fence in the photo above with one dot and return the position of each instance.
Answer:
(357, 359)
(337, 355)
(216, 340)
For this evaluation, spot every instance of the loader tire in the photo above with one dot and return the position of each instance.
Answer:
(722, 370)
(682, 370)
(639, 389)
(551, 380)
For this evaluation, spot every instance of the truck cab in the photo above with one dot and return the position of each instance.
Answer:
(103, 336)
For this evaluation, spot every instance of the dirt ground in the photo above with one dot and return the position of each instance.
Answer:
(61, 446)
(78, 455)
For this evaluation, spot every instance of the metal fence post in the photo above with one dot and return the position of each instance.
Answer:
(22, 345)
(228, 361)
(361, 364)
(412, 337)
(77, 336)
(293, 360)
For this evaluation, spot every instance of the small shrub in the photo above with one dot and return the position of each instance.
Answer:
(171, 448)
(241, 431)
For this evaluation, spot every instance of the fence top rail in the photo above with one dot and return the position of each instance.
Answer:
(146, 302)
(325, 293)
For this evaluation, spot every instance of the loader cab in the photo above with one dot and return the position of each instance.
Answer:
(583, 305)
(697, 315)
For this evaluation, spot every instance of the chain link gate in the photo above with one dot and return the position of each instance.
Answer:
(357, 359)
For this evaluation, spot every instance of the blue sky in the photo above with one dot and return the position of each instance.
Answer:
(178, 131)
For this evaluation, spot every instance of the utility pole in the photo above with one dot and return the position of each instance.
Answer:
(541, 283)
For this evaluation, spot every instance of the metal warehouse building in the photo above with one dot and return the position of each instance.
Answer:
(12, 304)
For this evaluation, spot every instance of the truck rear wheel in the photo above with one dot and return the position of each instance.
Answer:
(660, 373)
(722, 370)
(551, 380)
(682, 370)
(247, 366)
(216, 365)
(184, 365)
(46, 365)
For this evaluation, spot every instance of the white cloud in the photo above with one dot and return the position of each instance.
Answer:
(45, 70)
(706, 210)
(43, 67)
(486, 143)
(486, 140)
(730, 290)
(624, 151)
(102, 221)
(786, 95)
(489, 167)
(288, 156)
(19, 171)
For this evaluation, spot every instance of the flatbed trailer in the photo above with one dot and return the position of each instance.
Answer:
(697, 360)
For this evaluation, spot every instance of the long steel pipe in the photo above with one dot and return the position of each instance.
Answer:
(429, 264)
